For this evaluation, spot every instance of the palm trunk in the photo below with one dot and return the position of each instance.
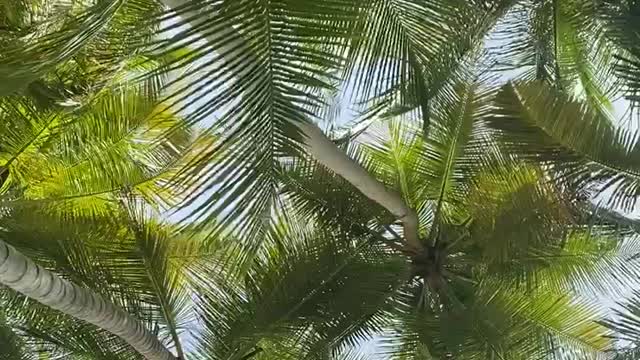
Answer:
(316, 143)
(24, 276)
(329, 155)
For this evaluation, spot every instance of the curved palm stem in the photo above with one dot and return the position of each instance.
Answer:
(24, 276)
(329, 155)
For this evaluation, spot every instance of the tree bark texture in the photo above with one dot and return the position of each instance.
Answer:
(24, 276)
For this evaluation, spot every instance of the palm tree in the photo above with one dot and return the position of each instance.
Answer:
(17, 227)
(268, 68)
(501, 238)
(59, 141)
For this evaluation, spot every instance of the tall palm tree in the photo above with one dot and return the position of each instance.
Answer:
(308, 292)
(582, 264)
(265, 69)
(490, 226)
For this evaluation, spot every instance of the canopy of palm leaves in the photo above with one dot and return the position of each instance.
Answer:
(119, 116)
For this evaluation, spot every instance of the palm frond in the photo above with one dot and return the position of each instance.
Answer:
(539, 325)
(563, 44)
(621, 28)
(528, 231)
(405, 51)
(109, 30)
(320, 309)
(121, 133)
(11, 346)
(625, 321)
(253, 92)
(539, 124)
(311, 191)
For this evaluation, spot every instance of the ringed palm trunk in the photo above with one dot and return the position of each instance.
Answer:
(24, 276)
(317, 143)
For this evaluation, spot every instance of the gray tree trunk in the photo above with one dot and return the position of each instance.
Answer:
(24, 276)
(317, 143)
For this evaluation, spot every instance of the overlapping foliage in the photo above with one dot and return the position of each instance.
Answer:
(115, 111)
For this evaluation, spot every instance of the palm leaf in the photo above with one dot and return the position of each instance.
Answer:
(121, 133)
(311, 191)
(625, 324)
(53, 48)
(254, 93)
(12, 346)
(405, 51)
(500, 323)
(536, 123)
(563, 44)
(105, 33)
(319, 310)
(621, 28)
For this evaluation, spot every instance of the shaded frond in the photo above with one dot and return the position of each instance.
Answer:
(544, 126)
(303, 286)
(501, 323)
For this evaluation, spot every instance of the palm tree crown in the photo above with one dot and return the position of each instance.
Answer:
(428, 174)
